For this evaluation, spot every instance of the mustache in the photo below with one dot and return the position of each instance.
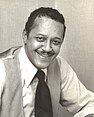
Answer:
(43, 52)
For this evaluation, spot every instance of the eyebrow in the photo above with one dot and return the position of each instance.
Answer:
(46, 36)
(42, 34)
(57, 38)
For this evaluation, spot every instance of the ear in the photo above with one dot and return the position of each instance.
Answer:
(24, 35)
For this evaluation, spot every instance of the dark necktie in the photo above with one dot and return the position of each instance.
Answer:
(43, 105)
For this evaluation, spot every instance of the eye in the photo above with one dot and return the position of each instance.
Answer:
(40, 39)
(56, 42)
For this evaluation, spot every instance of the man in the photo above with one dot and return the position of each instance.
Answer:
(43, 36)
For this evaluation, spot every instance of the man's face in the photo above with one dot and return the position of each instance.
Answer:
(44, 41)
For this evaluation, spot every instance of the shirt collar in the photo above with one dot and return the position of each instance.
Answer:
(28, 70)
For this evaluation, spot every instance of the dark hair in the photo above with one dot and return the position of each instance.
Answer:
(44, 11)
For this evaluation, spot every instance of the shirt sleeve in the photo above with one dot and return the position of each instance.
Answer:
(74, 96)
(2, 78)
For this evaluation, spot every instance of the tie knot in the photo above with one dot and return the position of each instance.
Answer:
(40, 75)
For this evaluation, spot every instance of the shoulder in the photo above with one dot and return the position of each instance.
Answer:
(4, 57)
(64, 65)
(9, 53)
(66, 71)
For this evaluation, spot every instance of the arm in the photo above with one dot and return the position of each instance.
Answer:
(2, 78)
(74, 95)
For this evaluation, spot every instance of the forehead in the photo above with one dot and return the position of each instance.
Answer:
(47, 24)
(45, 19)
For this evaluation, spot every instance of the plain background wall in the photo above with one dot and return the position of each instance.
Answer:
(78, 46)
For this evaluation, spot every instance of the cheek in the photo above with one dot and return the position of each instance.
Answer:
(56, 49)
(33, 44)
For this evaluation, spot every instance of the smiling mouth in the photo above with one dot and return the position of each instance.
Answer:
(45, 54)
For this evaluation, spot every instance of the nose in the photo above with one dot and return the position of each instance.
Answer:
(47, 46)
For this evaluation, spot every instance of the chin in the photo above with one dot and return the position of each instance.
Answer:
(42, 66)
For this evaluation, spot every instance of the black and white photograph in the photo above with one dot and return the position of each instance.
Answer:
(46, 58)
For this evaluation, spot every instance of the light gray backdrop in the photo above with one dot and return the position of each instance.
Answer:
(78, 47)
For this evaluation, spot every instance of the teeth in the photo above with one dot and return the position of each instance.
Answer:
(44, 55)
